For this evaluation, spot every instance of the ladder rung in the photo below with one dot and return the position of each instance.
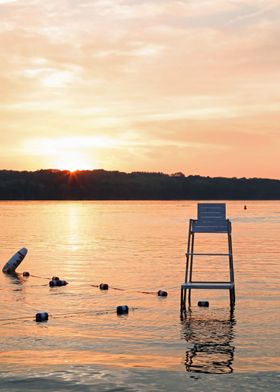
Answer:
(207, 254)
(207, 285)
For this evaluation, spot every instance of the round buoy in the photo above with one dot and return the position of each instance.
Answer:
(162, 293)
(55, 278)
(56, 283)
(43, 316)
(122, 309)
(204, 304)
(104, 286)
(26, 273)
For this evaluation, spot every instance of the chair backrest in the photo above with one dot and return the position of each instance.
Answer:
(211, 218)
(207, 211)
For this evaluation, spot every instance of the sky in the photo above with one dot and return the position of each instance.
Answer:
(141, 85)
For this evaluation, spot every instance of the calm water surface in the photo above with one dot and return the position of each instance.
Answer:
(136, 247)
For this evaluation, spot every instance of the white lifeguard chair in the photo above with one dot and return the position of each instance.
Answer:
(211, 218)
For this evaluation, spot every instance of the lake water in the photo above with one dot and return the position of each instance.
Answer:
(136, 247)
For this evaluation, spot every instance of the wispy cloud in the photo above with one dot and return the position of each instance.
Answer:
(7, 1)
(256, 11)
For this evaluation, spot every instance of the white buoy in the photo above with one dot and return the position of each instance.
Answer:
(14, 261)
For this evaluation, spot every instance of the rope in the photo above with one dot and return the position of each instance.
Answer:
(14, 319)
(147, 292)
(135, 291)
(40, 277)
(65, 315)
(116, 288)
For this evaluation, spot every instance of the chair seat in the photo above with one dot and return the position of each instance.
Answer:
(210, 226)
(209, 229)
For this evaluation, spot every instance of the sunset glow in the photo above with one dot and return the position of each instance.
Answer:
(72, 163)
(170, 86)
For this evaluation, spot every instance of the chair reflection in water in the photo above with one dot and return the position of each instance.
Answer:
(212, 350)
(211, 218)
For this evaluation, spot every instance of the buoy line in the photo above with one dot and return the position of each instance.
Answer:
(12, 264)
(102, 286)
(105, 286)
(57, 282)
(45, 316)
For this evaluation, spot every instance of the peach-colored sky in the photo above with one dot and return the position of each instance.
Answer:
(150, 85)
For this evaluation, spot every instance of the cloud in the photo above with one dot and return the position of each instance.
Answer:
(7, 1)
(152, 74)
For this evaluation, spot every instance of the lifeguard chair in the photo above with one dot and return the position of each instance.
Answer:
(211, 218)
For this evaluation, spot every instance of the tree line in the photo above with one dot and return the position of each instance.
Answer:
(115, 185)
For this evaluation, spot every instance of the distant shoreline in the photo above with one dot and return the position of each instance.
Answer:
(138, 186)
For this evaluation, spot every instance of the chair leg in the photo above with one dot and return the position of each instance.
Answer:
(232, 296)
(191, 267)
(189, 297)
(231, 268)
(188, 254)
(184, 296)
(183, 301)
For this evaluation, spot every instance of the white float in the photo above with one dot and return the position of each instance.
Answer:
(14, 261)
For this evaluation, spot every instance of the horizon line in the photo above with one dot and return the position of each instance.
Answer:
(174, 174)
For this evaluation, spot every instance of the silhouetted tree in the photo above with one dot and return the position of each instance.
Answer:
(109, 185)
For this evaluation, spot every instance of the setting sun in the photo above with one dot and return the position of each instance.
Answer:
(64, 153)
(72, 162)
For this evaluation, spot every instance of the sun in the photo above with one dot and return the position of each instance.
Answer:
(72, 163)
(65, 153)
